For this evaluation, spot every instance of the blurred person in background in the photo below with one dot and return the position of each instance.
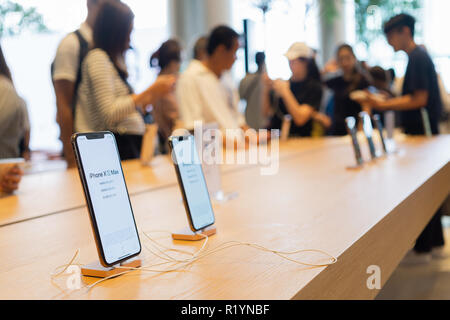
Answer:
(252, 89)
(382, 85)
(165, 110)
(66, 75)
(344, 76)
(199, 55)
(301, 96)
(105, 100)
(200, 93)
(382, 81)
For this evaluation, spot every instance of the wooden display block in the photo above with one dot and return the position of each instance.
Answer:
(96, 270)
(188, 235)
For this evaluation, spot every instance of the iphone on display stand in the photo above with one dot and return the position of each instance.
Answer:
(108, 202)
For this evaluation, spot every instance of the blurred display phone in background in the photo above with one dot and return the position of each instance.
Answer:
(368, 131)
(192, 182)
(5, 166)
(110, 211)
(379, 126)
(389, 123)
(286, 127)
(426, 122)
(351, 128)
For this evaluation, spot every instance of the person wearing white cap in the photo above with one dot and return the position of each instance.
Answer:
(301, 96)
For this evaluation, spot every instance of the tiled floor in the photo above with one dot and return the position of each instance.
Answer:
(426, 282)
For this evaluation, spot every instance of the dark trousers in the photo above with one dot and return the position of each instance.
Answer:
(432, 236)
(129, 146)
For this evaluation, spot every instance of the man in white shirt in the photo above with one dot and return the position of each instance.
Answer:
(66, 75)
(201, 94)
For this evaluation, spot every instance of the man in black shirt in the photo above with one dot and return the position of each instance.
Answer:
(420, 91)
(420, 87)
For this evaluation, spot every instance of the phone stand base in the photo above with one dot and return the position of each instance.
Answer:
(355, 167)
(96, 270)
(188, 235)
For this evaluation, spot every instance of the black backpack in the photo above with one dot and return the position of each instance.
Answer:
(84, 49)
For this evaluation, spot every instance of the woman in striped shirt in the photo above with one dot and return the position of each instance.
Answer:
(165, 110)
(105, 100)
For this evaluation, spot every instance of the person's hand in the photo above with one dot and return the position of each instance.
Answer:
(331, 66)
(281, 87)
(373, 101)
(11, 180)
(163, 85)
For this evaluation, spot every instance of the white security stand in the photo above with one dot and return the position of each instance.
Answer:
(148, 144)
(211, 169)
(391, 146)
(96, 270)
(188, 235)
(222, 197)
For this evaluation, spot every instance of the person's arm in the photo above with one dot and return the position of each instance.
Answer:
(301, 113)
(414, 101)
(314, 99)
(162, 86)
(64, 91)
(418, 86)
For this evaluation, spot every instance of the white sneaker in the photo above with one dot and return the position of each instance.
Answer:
(413, 258)
(439, 253)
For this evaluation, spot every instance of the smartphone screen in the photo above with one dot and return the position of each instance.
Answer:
(107, 197)
(192, 182)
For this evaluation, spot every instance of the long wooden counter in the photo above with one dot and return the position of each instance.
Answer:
(59, 191)
(365, 217)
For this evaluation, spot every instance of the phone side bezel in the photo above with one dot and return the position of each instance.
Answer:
(87, 196)
(356, 147)
(182, 188)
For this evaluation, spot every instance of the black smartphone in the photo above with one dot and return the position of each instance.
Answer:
(368, 131)
(192, 182)
(110, 211)
(379, 126)
(351, 128)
